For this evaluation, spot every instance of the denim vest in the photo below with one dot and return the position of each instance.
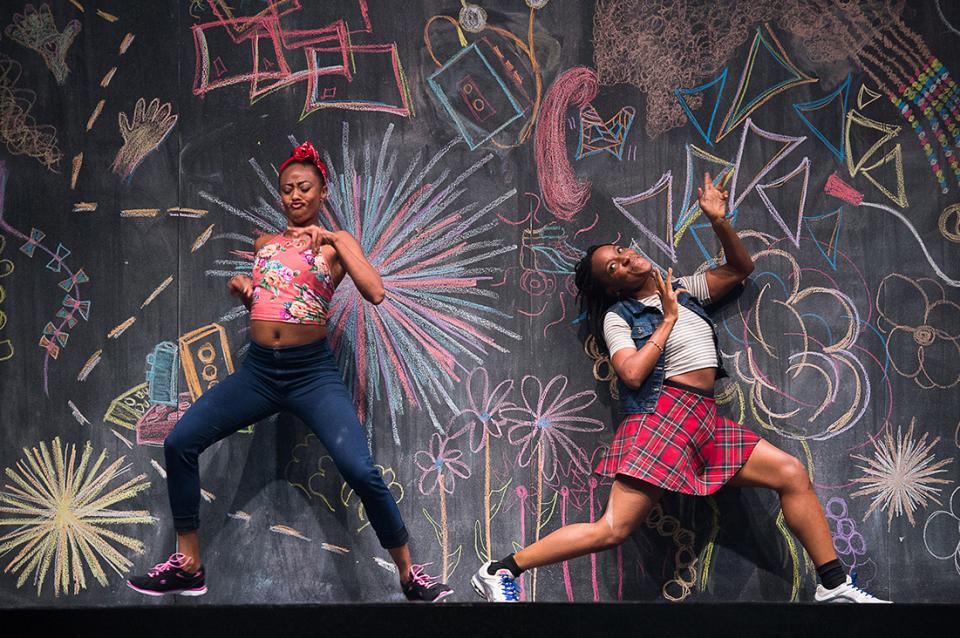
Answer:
(643, 320)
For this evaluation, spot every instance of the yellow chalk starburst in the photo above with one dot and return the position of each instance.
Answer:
(61, 511)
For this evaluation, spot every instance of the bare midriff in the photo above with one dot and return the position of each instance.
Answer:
(703, 378)
(279, 334)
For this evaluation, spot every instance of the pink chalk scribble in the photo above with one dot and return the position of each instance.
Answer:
(564, 194)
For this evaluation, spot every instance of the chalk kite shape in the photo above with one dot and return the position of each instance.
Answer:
(749, 97)
(802, 172)
(787, 144)
(829, 224)
(663, 239)
(706, 90)
(825, 114)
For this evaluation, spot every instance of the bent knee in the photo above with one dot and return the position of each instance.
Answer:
(178, 445)
(608, 537)
(792, 474)
(173, 444)
(362, 477)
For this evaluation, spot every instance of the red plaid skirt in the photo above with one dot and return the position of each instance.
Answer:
(683, 446)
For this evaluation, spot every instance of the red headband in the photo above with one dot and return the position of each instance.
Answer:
(306, 153)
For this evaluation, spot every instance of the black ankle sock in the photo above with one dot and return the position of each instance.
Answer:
(832, 574)
(505, 563)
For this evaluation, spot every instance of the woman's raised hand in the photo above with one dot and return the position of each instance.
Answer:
(668, 296)
(317, 235)
(713, 201)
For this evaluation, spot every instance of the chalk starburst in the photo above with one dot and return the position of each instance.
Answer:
(424, 239)
(901, 475)
(61, 511)
(439, 319)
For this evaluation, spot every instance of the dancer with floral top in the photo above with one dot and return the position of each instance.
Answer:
(290, 367)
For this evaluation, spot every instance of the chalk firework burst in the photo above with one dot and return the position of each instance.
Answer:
(437, 321)
(61, 511)
(423, 240)
(901, 475)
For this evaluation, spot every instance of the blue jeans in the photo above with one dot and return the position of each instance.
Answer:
(305, 381)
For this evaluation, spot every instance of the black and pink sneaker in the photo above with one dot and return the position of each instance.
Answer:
(424, 588)
(170, 578)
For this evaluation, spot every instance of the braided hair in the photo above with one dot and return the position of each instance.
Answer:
(592, 296)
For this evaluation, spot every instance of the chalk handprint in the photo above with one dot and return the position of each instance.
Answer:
(37, 30)
(149, 127)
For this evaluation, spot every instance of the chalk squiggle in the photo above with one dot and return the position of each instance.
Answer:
(18, 130)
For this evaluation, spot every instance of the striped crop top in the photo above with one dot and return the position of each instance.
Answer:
(289, 284)
(690, 345)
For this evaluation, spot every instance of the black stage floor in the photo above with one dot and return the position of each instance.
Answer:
(547, 620)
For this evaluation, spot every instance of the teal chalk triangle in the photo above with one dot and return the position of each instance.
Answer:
(708, 90)
(826, 117)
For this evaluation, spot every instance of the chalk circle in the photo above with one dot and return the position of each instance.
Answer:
(603, 364)
(940, 535)
(836, 501)
(950, 228)
(686, 557)
(846, 527)
(858, 544)
(473, 18)
(6, 267)
(3, 318)
(924, 335)
(537, 4)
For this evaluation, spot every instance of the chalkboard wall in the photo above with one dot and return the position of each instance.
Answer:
(476, 151)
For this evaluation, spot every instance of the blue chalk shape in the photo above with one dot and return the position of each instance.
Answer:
(56, 263)
(833, 244)
(843, 91)
(680, 92)
(463, 58)
(163, 367)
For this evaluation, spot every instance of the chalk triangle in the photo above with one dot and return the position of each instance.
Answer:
(710, 94)
(643, 206)
(778, 74)
(887, 175)
(782, 146)
(699, 162)
(863, 137)
(825, 232)
(637, 248)
(791, 190)
(866, 96)
(826, 117)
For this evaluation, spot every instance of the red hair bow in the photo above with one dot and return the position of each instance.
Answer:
(306, 153)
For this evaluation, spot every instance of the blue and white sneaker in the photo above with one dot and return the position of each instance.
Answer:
(847, 592)
(499, 587)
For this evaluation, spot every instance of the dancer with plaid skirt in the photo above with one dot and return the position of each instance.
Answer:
(664, 349)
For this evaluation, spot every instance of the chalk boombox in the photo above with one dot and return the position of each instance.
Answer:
(205, 356)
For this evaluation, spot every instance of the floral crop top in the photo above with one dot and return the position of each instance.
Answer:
(289, 284)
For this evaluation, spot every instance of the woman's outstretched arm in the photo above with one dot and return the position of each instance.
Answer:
(739, 264)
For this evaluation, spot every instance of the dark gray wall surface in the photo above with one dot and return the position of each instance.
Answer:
(475, 167)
